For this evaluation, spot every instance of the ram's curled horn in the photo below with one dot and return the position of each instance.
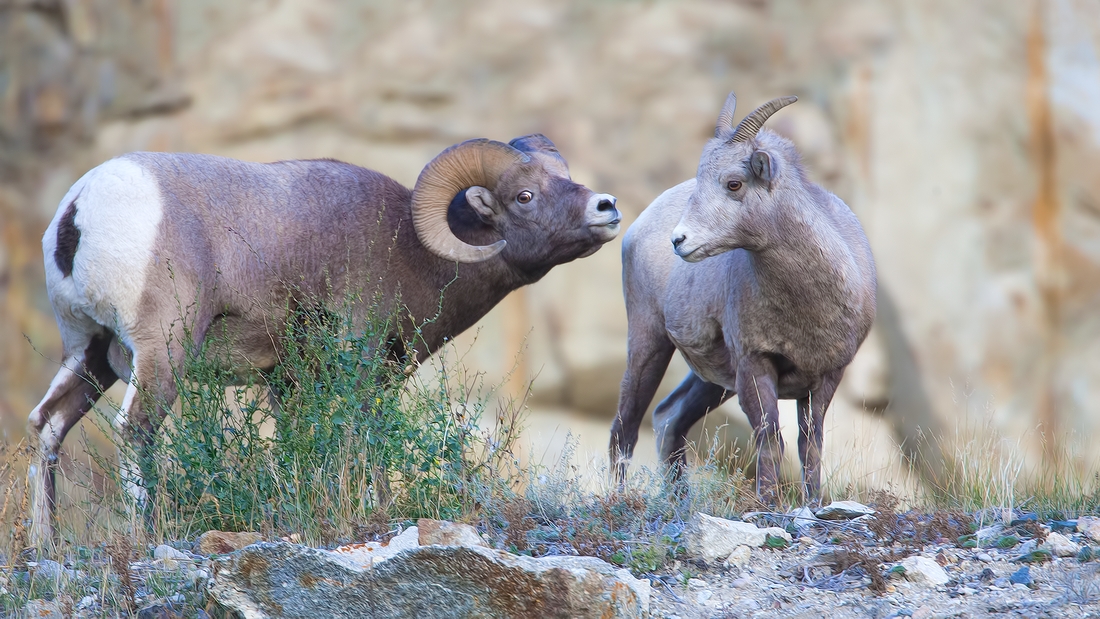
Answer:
(725, 119)
(479, 162)
(751, 124)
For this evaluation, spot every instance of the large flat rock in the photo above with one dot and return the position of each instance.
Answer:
(288, 580)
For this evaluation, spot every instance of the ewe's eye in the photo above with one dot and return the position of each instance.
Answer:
(733, 185)
(524, 197)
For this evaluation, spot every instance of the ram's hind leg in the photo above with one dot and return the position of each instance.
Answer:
(79, 383)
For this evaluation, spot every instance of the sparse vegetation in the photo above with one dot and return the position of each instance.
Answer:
(351, 447)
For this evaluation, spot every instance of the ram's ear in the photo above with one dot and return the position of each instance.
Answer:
(764, 166)
(482, 201)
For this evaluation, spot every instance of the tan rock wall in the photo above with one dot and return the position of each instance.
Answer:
(963, 135)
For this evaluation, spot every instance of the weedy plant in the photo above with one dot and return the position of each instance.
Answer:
(339, 435)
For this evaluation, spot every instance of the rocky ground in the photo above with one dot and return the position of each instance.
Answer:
(1002, 575)
(852, 565)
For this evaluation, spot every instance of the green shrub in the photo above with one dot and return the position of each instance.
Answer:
(337, 436)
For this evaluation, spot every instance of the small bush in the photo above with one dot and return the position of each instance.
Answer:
(336, 440)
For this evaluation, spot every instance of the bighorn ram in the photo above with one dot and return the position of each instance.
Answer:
(773, 293)
(232, 242)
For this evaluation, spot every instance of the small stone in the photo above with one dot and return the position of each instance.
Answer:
(169, 557)
(924, 570)
(1024, 519)
(703, 596)
(1020, 587)
(372, 553)
(1061, 546)
(222, 542)
(696, 583)
(988, 535)
(85, 602)
(923, 612)
(1021, 576)
(1090, 526)
(802, 517)
(739, 557)
(741, 583)
(843, 510)
(43, 609)
(1001, 583)
(711, 539)
(905, 612)
(157, 611)
(446, 533)
(987, 575)
(1058, 526)
(967, 591)
(808, 541)
(985, 557)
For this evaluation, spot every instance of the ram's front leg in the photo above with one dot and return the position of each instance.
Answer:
(757, 395)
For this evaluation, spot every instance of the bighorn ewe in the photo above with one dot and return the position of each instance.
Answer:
(772, 293)
(233, 242)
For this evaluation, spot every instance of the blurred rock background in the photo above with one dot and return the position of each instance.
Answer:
(966, 137)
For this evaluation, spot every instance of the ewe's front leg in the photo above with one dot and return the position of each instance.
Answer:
(811, 433)
(756, 392)
(648, 353)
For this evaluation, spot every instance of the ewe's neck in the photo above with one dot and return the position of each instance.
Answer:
(804, 263)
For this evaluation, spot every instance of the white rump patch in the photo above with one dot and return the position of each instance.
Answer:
(118, 212)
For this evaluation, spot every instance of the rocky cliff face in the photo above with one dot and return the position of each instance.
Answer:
(962, 135)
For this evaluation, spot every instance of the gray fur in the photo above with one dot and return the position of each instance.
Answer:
(767, 292)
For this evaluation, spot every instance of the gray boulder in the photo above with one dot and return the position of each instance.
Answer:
(287, 580)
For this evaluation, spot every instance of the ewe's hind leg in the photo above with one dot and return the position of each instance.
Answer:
(74, 390)
(674, 416)
(811, 433)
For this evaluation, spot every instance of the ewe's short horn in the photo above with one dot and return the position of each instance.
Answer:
(725, 119)
(751, 124)
(480, 163)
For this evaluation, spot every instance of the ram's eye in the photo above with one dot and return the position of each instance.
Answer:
(733, 185)
(524, 197)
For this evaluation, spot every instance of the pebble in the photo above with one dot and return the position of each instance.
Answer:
(922, 612)
(1061, 546)
(985, 557)
(703, 596)
(1090, 526)
(696, 583)
(1021, 576)
(1001, 583)
(85, 602)
(739, 557)
(967, 591)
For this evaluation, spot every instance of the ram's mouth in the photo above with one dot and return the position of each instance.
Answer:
(608, 229)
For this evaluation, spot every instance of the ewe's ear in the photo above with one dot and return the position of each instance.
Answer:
(482, 201)
(764, 166)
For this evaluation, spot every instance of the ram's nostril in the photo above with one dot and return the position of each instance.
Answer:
(676, 241)
(604, 205)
